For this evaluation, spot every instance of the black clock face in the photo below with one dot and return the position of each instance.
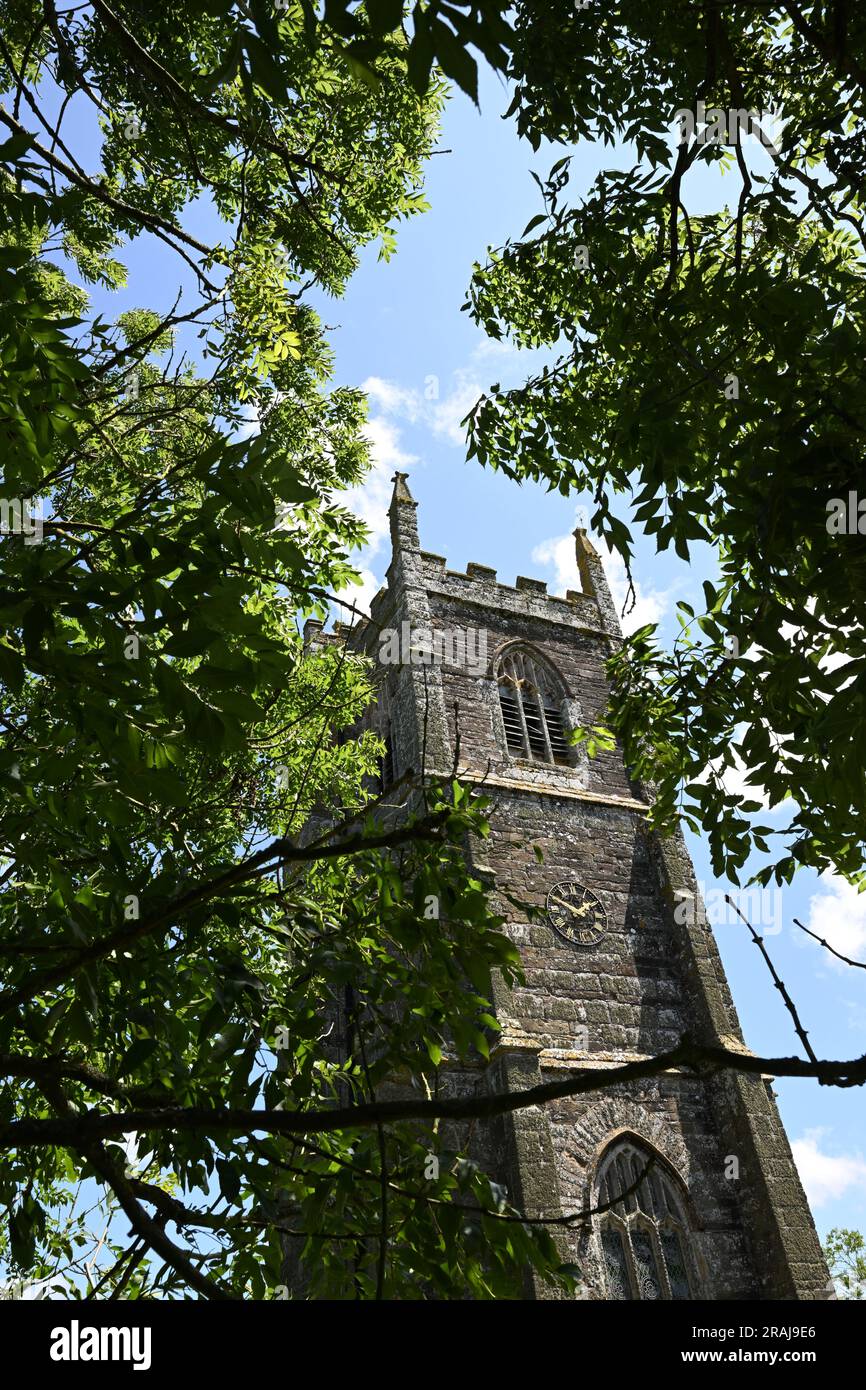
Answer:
(576, 914)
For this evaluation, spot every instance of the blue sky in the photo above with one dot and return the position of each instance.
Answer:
(400, 331)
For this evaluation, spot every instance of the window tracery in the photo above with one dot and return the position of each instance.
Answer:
(531, 698)
(645, 1231)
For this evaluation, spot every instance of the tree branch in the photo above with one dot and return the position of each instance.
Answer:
(778, 982)
(273, 856)
(858, 964)
(704, 1058)
(111, 1170)
(152, 221)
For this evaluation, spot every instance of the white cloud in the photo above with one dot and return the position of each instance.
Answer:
(735, 784)
(558, 553)
(486, 348)
(359, 595)
(734, 781)
(131, 1149)
(445, 415)
(827, 1176)
(441, 409)
(252, 422)
(838, 914)
(393, 399)
(369, 500)
(441, 414)
(650, 604)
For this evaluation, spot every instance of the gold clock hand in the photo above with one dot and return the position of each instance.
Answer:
(575, 911)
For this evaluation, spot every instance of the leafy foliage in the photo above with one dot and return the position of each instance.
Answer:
(846, 1260)
(168, 935)
(706, 370)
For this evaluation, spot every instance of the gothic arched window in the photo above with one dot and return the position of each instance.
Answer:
(530, 698)
(645, 1230)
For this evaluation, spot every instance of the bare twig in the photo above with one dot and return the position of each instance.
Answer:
(858, 964)
(788, 1001)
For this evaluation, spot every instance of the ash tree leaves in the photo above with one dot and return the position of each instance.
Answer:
(439, 33)
(169, 932)
(707, 387)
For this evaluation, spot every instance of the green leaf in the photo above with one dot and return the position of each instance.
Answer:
(385, 15)
(135, 1055)
(454, 60)
(265, 69)
(229, 1180)
(228, 1041)
(11, 668)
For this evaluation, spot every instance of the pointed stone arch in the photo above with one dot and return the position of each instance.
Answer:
(644, 1223)
(535, 704)
(543, 663)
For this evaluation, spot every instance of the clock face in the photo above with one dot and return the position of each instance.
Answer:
(576, 914)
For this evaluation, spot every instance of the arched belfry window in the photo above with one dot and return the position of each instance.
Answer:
(645, 1232)
(531, 699)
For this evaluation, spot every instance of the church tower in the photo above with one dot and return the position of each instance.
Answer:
(619, 962)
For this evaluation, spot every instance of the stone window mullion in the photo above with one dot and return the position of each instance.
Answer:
(651, 1286)
(630, 1262)
(672, 1231)
(527, 746)
(660, 1262)
(548, 750)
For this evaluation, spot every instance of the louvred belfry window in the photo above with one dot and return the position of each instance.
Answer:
(508, 700)
(645, 1232)
(530, 701)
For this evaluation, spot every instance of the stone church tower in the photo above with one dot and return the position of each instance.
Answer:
(615, 969)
